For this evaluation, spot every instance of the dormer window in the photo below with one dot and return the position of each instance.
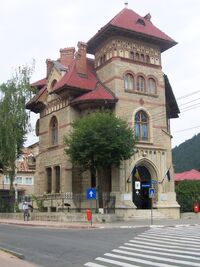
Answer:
(141, 22)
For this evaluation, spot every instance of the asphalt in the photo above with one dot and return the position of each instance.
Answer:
(12, 259)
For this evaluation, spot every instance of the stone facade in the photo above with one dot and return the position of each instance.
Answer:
(129, 69)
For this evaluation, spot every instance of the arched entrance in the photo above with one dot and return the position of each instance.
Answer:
(141, 184)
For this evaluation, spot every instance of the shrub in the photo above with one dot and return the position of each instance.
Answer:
(187, 193)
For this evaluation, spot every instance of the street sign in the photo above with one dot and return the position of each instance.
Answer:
(145, 185)
(151, 192)
(137, 185)
(154, 182)
(91, 193)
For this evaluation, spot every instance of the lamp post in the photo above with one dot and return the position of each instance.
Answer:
(16, 196)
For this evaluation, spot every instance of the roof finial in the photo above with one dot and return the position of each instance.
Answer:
(126, 4)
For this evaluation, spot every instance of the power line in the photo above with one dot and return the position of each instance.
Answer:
(191, 128)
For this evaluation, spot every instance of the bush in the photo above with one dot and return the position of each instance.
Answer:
(187, 193)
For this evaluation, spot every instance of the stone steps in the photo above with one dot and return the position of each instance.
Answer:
(146, 214)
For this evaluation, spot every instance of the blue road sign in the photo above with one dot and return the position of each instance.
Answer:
(145, 185)
(153, 181)
(91, 193)
(151, 192)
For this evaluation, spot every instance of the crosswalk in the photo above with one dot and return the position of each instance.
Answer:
(159, 246)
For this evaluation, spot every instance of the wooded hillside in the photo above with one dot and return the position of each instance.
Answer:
(186, 156)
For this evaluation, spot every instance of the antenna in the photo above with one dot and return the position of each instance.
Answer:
(126, 4)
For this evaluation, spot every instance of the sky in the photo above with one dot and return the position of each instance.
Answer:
(37, 29)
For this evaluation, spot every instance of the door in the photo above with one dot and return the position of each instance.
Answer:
(141, 185)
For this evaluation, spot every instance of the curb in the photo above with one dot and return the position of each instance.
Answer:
(52, 226)
(14, 253)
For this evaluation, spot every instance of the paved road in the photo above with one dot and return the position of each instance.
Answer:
(163, 247)
(63, 247)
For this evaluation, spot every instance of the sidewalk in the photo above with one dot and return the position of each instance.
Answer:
(12, 259)
(9, 260)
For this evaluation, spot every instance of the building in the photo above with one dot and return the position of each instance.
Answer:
(25, 171)
(126, 77)
(192, 175)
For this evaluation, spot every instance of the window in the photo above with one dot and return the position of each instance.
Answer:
(131, 55)
(28, 181)
(141, 22)
(140, 84)
(57, 172)
(142, 57)
(129, 82)
(19, 180)
(53, 83)
(151, 86)
(49, 180)
(147, 59)
(141, 126)
(6, 180)
(54, 131)
(137, 56)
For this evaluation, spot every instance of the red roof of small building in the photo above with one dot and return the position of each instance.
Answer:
(131, 22)
(188, 175)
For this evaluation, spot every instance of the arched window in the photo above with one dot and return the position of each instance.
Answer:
(137, 56)
(49, 180)
(151, 86)
(54, 131)
(140, 84)
(147, 59)
(129, 82)
(131, 55)
(141, 126)
(142, 57)
(53, 83)
(57, 175)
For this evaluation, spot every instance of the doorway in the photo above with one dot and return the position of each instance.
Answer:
(141, 184)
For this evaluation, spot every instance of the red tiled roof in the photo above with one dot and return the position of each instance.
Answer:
(100, 93)
(73, 79)
(188, 175)
(36, 97)
(127, 19)
(40, 83)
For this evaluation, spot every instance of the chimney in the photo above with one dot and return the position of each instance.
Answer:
(66, 56)
(148, 17)
(81, 59)
(49, 63)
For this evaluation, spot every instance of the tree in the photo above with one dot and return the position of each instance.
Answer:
(14, 118)
(99, 140)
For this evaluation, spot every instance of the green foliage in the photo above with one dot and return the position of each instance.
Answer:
(13, 117)
(99, 140)
(187, 155)
(39, 203)
(187, 193)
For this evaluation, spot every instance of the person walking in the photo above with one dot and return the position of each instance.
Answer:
(25, 210)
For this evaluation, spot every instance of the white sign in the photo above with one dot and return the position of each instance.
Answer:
(137, 185)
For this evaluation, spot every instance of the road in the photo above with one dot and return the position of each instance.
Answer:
(63, 247)
(162, 247)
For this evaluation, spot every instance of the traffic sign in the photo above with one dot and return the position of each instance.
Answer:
(91, 193)
(153, 181)
(146, 185)
(151, 192)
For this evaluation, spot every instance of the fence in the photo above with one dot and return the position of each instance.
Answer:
(77, 202)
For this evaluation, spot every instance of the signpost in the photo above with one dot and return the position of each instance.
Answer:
(151, 195)
(91, 194)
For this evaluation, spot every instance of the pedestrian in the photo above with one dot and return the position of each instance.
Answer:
(25, 210)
